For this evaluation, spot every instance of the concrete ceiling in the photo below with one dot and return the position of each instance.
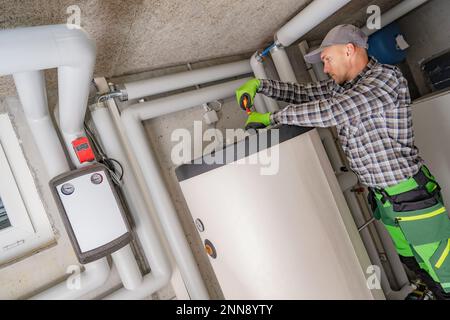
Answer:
(140, 35)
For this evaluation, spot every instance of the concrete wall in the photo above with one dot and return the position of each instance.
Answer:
(426, 29)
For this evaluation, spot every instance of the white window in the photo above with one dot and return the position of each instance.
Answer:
(24, 225)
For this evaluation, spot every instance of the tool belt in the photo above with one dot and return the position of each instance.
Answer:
(419, 192)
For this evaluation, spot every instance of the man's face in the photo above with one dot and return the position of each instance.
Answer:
(335, 62)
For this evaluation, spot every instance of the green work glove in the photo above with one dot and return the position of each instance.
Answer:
(257, 120)
(250, 87)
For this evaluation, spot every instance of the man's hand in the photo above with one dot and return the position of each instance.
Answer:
(257, 120)
(250, 87)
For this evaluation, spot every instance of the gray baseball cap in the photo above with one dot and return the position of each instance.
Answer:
(341, 34)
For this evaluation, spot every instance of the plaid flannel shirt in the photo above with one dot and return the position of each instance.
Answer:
(372, 115)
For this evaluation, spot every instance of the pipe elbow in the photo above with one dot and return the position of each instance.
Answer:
(96, 273)
(128, 115)
(76, 48)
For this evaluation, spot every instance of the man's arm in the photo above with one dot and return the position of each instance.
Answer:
(371, 96)
(295, 93)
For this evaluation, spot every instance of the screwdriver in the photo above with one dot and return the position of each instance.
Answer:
(245, 103)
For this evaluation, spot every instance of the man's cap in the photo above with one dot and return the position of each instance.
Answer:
(341, 34)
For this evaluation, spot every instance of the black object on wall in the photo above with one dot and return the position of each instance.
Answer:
(437, 71)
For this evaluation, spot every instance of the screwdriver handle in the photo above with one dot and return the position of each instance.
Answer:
(245, 102)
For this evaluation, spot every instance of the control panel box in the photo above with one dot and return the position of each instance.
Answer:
(92, 212)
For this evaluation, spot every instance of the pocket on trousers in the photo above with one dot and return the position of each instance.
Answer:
(424, 226)
(440, 262)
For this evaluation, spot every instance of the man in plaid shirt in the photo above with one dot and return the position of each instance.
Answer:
(369, 104)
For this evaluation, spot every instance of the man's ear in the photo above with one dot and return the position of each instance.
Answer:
(350, 49)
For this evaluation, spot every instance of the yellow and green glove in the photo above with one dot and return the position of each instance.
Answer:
(257, 120)
(250, 88)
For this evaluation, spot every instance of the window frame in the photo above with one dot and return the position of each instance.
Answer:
(30, 228)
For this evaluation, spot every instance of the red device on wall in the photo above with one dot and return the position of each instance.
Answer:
(83, 150)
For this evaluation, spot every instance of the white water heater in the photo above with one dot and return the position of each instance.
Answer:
(431, 121)
(274, 221)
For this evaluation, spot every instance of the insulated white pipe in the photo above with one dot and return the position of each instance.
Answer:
(392, 255)
(44, 47)
(347, 180)
(144, 226)
(367, 239)
(55, 46)
(155, 108)
(132, 120)
(25, 51)
(260, 105)
(28, 50)
(127, 268)
(144, 88)
(308, 18)
(94, 276)
(260, 73)
(163, 204)
(393, 14)
(30, 87)
(282, 64)
(73, 86)
(373, 252)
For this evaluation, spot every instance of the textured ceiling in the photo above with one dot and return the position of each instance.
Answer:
(138, 35)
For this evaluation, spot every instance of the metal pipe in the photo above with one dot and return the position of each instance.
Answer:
(366, 224)
(266, 51)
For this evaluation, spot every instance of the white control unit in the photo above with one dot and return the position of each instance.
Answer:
(91, 211)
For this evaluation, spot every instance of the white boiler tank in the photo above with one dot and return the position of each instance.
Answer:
(280, 233)
(431, 120)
